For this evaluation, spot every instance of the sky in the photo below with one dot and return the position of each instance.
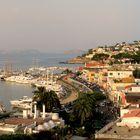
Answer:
(61, 25)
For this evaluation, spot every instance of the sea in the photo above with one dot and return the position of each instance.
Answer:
(24, 61)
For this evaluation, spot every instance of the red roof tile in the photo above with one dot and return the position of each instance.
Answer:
(94, 64)
(129, 86)
(134, 113)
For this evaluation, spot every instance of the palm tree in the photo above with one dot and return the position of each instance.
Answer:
(48, 98)
(83, 107)
(52, 100)
(39, 97)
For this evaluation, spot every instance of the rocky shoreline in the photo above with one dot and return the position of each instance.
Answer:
(75, 61)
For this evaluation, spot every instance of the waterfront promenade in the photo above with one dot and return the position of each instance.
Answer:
(73, 91)
(74, 86)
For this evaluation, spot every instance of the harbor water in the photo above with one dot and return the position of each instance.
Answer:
(12, 91)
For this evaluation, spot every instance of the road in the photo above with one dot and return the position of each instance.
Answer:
(74, 91)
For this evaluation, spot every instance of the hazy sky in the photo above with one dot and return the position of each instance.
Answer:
(59, 25)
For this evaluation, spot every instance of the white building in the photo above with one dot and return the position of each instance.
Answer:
(119, 73)
(131, 119)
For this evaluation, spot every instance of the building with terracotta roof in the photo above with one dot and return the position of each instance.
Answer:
(131, 119)
(95, 64)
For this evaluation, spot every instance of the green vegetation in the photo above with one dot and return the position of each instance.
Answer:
(78, 73)
(136, 73)
(120, 53)
(67, 71)
(121, 56)
(79, 122)
(136, 57)
(82, 120)
(83, 108)
(99, 96)
(100, 56)
(49, 98)
(90, 51)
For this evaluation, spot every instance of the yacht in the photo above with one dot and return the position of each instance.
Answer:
(20, 79)
(21, 102)
(49, 86)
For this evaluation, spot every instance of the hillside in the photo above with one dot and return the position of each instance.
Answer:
(117, 54)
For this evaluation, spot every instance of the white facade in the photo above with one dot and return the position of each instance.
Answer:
(131, 122)
(119, 74)
(89, 56)
(134, 89)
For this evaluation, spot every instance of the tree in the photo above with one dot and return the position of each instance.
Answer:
(136, 73)
(83, 55)
(49, 98)
(100, 56)
(67, 71)
(78, 73)
(90, 51)
(136, 57)
(98, 96)
(83, 108)
(121, 56)
(52, 100)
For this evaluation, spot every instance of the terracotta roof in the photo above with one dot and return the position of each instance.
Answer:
(18, 121)
(129, 86)
(132, 93)
(94, 64)
(128, 80)
(134, 113)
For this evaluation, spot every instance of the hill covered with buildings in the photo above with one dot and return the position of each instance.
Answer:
(117, 54)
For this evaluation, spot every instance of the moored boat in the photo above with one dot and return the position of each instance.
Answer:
(21, 102)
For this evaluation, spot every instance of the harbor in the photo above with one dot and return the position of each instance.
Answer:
(21, 86)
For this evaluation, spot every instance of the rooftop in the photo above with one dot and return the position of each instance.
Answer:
(19, 120)
(112, 131)
(123, 131)
(95, 64)
(133, 113)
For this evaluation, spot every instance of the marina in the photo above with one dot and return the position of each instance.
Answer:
(13, 90)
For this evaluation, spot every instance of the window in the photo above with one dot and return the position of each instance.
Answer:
(110, 73)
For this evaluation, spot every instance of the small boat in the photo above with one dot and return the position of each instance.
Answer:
(21, 101)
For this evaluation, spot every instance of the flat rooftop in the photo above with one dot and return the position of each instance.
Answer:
(20, 120)
(123, 131)
(112, 131)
